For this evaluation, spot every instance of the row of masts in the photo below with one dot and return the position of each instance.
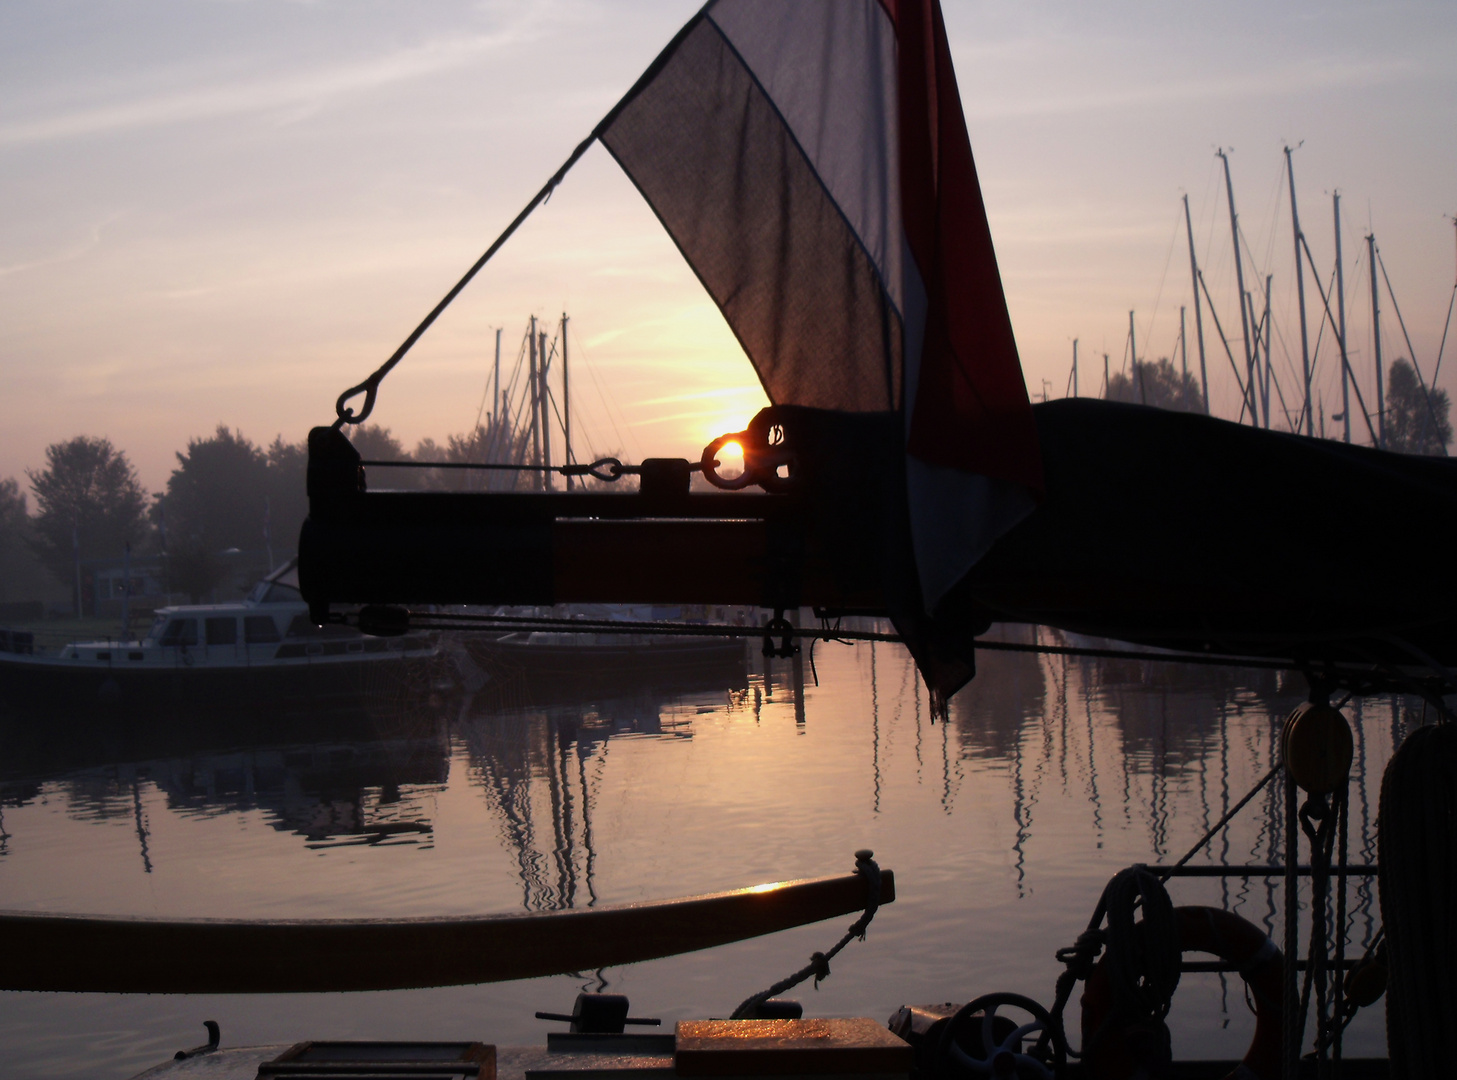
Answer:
(523, 416)
(1256, 377)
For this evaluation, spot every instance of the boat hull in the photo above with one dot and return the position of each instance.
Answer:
(543, 673)
(35, 683)
(208, 956)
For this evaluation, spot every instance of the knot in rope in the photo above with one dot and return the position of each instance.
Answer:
(1082, 955)
(819, 963)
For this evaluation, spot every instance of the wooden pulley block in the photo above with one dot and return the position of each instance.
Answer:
(1366, 982)
(1318, 747)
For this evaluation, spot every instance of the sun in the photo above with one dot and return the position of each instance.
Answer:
(722, 425)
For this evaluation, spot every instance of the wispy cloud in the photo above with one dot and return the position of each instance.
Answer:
(1301, 77)
(729, 391)
(292, 95)
(69, 255)
(674, 416)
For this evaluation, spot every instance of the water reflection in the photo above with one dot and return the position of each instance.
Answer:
(1151, 742)
(365, 776)
(1050, 774)
(1141, 741)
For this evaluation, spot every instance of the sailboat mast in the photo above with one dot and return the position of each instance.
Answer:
(1300, 294)
(1183, 351)
(1376, 342)
(1198, 307)
(1133, 359)
(496, 384)
(535, 383)
(1341, 317)
(566, 402)
(542, 368)
(1268, 375)
(1075, 367)
(1239, 277)
(1249, 302)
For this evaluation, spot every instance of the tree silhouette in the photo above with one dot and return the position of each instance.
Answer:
(288, 499)
(216, 496)
(1158, 384)
(376, 443)
(492, 442)
(1416, 418)
(20, 572)
(216, 500)
(88, 501)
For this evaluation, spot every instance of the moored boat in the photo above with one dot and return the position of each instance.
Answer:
(262, 647)
(544, 666)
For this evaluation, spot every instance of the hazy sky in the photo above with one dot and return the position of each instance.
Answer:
(227, 211)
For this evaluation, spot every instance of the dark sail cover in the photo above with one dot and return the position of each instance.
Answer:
(1188, 532)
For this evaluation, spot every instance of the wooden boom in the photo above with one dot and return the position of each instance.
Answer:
(215, 956)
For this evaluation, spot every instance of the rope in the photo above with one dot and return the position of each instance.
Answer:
(1143, 958)
(1221, 823)
(1318, 820)
(819, 963)
(1370, 678)
(1416, 834)
(606, 469)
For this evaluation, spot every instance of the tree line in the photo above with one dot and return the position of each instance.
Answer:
(1417, 418)
(225, 494)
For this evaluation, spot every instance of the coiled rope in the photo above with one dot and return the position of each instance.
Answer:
(1417, 840)
(819, 963)
(1144, 959)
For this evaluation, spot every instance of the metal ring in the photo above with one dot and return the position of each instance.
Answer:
(710, 463)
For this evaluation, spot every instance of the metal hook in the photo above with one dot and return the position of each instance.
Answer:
(369, 388)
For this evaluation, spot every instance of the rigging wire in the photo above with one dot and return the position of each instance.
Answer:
(345, 414)
(1445, 327)
(1437, 370)
(1227, 352)
(1273, 215)
(1328, 317)
(1168, 261)
(1319, 330)
(608, 401)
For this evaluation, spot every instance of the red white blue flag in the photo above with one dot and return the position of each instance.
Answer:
(810, 158)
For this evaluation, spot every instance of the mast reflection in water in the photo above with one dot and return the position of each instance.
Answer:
(1002, 826)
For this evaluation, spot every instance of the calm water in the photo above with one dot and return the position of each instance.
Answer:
(1002, 827)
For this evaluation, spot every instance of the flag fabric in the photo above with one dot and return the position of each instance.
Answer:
(811, 161)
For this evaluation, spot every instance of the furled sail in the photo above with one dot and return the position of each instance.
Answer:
(811, 162)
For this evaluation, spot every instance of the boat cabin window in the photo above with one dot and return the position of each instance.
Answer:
(222, 631)
(180, 632)
(259, 629)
